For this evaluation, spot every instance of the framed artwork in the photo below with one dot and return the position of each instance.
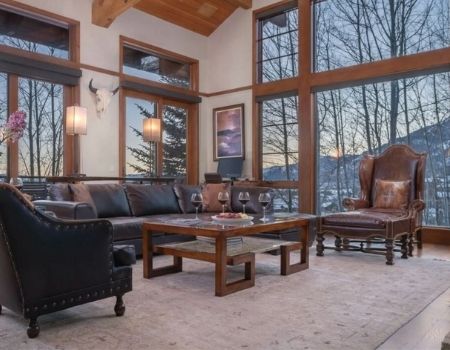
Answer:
(228, 132)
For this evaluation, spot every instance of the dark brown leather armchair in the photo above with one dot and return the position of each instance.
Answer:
(389, 206)
(48, 264)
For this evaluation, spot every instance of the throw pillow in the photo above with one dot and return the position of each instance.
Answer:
(110, 200)
(184, 193)
(59, 192)
(80, 193)
(391, 194)
(210, 193)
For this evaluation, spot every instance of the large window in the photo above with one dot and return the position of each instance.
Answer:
(32, 34)
(167, 158)
(277, 44)
(154, 66)
(352, 121)
(41, 147)
(350, 32)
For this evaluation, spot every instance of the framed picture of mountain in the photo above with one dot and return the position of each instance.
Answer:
(228, 131)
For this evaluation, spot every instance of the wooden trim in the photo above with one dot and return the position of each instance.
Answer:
(140, 45)
(24, 65)
(274, 88)
(274, 8)
(226, 92)
(412, 65)
(306, 118)
(132, 84)
(436, 235)
(192, 145)
(99, 70)
(72, 152)
(38, 13)
(122, 131)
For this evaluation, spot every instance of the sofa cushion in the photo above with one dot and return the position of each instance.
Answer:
(391, 194)
(253, 206)
(110, 200)
(210, 193)
(152, 199)
(184, 193)
(370, 218)
(60, 192)
(80, 193)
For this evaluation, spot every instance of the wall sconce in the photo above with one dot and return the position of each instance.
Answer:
(151, 130)
(76, 120)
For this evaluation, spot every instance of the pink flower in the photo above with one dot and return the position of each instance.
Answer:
(13, 129)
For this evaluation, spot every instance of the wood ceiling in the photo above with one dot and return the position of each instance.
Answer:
(200, 16)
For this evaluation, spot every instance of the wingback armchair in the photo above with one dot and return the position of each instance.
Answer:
(47, 264)
(389, 206)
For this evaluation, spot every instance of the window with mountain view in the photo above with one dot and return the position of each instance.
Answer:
(277, 46)
(280, 146)
(350, 32)
(369, 118)
(152, 66)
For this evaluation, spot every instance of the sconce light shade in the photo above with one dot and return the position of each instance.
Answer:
(152, 130)
(76, 120)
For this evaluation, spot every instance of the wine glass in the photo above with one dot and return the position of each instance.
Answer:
(244, 197)
(264, 199)
(223, 198)
(196, 200)
(17, 182)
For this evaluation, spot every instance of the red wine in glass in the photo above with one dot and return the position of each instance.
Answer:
(244, 197)
(264, 199)
(197, 201)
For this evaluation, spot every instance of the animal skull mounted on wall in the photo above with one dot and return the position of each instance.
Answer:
(102, 97)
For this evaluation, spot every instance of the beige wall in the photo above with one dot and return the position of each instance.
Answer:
(225, 63)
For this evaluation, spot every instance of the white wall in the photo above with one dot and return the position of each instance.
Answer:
(225, 63)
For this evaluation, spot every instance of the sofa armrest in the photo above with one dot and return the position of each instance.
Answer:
(68, 210)
(354, 203)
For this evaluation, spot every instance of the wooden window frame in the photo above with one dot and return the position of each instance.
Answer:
(193, 90)
(71, 94)
(191, 133)
(309, 82)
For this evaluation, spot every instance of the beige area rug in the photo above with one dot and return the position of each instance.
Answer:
(344, 301)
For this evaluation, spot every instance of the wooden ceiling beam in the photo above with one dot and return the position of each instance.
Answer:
(245, 4)
(104, 12)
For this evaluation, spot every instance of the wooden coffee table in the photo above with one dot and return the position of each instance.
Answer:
(221, 253)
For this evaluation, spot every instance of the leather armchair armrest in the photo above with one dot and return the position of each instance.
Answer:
(68, 210)
(416, 206)
(355, 203)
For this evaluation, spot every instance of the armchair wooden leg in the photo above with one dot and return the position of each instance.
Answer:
(320, 247)
(404, 247)
(410, 244)
(338, 243)
(119, 308)
(389, 251)
(33, 328)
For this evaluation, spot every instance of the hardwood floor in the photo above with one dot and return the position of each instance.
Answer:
(427, 330)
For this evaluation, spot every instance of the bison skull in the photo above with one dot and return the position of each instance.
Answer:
(102, 97)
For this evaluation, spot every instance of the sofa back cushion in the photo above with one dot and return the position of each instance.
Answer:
(108, 200)
(184, 193)
(210, 193)
(80, 193)
(60, 192)
(253, 206)
(152, 199)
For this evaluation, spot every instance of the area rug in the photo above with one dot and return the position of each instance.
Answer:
(344, 301)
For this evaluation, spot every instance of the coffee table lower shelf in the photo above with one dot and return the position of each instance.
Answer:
(240, 253)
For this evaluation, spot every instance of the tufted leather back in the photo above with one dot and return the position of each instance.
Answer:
(396, 163)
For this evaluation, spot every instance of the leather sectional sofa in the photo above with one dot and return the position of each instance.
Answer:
(127, 206)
